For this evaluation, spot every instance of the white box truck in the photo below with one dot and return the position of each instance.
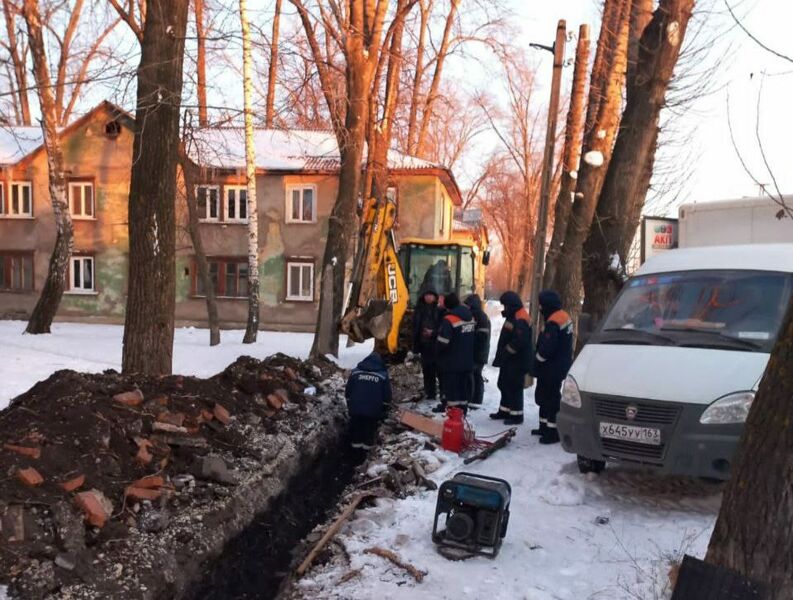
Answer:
(739, 221)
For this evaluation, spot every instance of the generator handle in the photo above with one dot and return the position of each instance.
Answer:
(496, 479)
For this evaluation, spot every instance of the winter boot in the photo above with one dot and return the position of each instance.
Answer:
(551, 436)
(499, 415)
(540, 430)
(439, 409)
(514, 420)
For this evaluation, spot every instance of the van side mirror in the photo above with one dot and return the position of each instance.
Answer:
(486, 257)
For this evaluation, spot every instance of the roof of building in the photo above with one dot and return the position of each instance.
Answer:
(745, 202)
(18, 142)
(755, 257)
(281, 150)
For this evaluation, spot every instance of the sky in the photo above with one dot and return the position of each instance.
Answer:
(706, 161)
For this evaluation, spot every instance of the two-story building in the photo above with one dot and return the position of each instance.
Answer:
(296, 186)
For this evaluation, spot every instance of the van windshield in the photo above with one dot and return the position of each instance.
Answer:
(732, 310)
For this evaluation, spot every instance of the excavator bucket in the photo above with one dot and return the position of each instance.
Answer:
(373, 322)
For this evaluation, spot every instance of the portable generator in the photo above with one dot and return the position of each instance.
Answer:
(476, 508)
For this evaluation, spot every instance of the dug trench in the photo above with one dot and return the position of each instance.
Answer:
(131, 486)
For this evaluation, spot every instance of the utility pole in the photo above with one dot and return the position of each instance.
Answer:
(547, 168)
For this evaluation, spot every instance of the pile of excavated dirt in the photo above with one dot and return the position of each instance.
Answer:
(123, 486)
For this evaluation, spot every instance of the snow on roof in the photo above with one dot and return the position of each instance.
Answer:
(745, 202)
(281, 150)
(756, 257)
(18, 142)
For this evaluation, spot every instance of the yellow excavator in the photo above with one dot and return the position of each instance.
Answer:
(386, 282)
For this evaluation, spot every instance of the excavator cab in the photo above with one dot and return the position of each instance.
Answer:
(442, 265)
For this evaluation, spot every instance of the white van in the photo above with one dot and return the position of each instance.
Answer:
(667, 378)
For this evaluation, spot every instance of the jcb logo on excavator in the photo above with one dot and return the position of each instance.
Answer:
(391, 277)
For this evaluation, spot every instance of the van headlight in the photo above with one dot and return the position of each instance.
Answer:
(570, 394)
(733, 408)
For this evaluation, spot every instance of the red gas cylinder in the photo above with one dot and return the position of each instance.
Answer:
(453, 430)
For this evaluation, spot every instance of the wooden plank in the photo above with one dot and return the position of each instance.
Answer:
(428, 425)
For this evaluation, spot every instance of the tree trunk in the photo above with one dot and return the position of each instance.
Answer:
(149, 324)
(432, 94)
(597, 152)
(273, 71)
(194, 227)
(571, 154)
(628, 177)
(201, 63)
(52, 292)
(252, 327)
(418, 76)
(753, 530)
(20, 70)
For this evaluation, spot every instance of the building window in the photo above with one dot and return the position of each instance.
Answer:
(236, 203)
(81, 199)
(229, 277)
(16, 271)
(82, 278)
(301, 204)
(21, 201)
(208, 199)
(300, 281)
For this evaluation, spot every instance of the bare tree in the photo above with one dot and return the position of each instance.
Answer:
(149, 323)
(605, 97)
(352, 29)
(201, 63)
(571, 154)
(47, 305)
(252, 326)
(18, 54)
(631, 166)
(272, 72)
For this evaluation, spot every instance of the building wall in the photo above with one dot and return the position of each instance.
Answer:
(90, 155)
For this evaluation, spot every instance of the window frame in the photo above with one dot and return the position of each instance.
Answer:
(5, 257)
(204, 218)
(300, 261)
(220, 291)
(82, 290)
(237, 202)
(82, 184)
(8, 201)
(288, 203)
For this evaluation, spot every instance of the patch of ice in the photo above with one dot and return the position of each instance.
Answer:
(673, 33)
(594, 158)
(579, 195)
(573, 174)
(601, 134)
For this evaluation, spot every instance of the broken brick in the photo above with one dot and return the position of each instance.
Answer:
(142, 493)
(221, 414)
(283, 394)
(30, 476)
(275, 401)
(206, 416)
(149, 482)
(290, 372)
(176, 419)
(133, 398)
(34, 453)
(143, 456)
(95, 506)
(73, 484)
(160, 399)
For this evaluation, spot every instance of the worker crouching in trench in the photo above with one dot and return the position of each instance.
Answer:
(368, 394)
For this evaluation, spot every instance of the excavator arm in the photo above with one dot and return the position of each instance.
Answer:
(378, 297)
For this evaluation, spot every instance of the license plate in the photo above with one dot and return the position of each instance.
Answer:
(631, 433)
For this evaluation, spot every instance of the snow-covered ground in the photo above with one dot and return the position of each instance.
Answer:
(570, 537)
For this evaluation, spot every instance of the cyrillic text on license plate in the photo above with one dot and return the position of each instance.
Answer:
(631, 433)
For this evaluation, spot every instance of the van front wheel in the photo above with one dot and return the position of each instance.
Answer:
(590, 465)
